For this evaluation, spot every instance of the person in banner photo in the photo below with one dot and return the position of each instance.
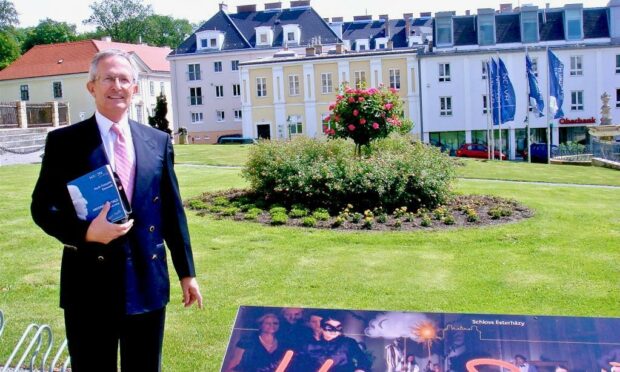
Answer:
(114, 284)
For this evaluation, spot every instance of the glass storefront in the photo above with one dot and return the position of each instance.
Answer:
(448, 141)
(577, 134)
(537, 135)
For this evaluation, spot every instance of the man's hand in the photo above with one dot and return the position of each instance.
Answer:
(102, 231)
(191, 292)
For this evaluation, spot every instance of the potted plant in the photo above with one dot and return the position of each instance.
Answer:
(182, 132)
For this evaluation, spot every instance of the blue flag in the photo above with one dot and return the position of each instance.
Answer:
(493, 88)
(556, 83)
(533, 84)
(508, 97)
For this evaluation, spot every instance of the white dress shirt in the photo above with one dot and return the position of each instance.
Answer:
(108, 137)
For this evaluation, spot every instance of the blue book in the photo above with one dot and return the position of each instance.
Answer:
(91, 191)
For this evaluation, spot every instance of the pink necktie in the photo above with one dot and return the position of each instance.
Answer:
(124, 162)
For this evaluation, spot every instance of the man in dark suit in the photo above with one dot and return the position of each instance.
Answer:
(114, 283)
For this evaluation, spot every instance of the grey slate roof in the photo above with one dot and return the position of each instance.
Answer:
(376, 29)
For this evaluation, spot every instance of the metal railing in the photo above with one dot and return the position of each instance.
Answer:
(605, 150)
(39, 115)
(8, 115)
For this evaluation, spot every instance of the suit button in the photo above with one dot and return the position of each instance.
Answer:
(100, 258)
(152, 228)
(154, 257)
(156, 199)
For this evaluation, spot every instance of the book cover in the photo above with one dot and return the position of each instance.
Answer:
(91, 191)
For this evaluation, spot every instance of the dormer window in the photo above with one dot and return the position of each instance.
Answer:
(486, 27)
(210, 39)
(573, 21)
(362, 45)
(292, 34)
(381, 43)
(443, 30)
(264, 36)
(529, 24)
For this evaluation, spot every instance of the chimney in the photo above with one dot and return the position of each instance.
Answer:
(273, 6)
(386, 25)
(246, 8)
(337, 19)
(224, 7)
(390, 45)
(468, 12)
(425, 14)
(107, 39)
(546, 5)
(310, 51)
(362, 18)
(318, 49)
(384, 17)
(339, 48)
(300, 3)
(408, 17)
(505, 8)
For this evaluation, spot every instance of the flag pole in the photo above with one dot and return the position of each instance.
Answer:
(527, 108)
(548, 108)
(499, 106)
(489, 110)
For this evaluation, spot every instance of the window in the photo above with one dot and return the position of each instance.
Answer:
(573, 24)
(220, 115)
(236, 90)
(381, 46)
(394, 78)
(617, 97)
(197, 117)
(57, 87)
(238, 115)
(293, 85)
(261, 87)
(362, 47)
(152, 88)
(529, 27)
(486, 29)
(234, 65)
(444, 72)
(360, 79)
(193, 72)
(444, 30)
(485, 104)
(445, 106)
(263, 38)
(294, 124)
(213, 43)
(326, 124)
(162, 88)
(23, 90)
(576, 66)
(576, 100)
(219, 91)
(290, 37)
(327, 85)
(204, 43)
(195, 96)
(618, 64)
(484, 70)
(217, 66)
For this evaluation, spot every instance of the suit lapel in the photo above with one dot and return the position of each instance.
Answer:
(96, 151)
(146, 154)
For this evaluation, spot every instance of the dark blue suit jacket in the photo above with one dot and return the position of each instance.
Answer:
(129, 274)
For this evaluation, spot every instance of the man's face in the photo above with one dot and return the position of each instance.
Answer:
(113, 87)
(520, 361)
(315, 323)
(292, 315)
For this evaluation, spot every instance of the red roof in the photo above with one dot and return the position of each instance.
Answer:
(75, 57)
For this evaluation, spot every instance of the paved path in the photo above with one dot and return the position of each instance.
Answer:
(7, 158)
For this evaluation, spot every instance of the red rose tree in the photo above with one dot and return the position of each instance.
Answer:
(364, 115)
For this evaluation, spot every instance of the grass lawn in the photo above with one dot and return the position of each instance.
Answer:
(233, 155)
(563, 261)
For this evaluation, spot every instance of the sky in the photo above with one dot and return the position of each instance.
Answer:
(75, 11)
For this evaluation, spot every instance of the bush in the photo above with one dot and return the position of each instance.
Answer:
(230, 211)
(321, 214)
(197, 204)
(221, 201)
(309, 222)
(426, 221)
(251, 216)
(277, 210)
(318, 173)
(449, 220)
(298, 213)
(279, 219)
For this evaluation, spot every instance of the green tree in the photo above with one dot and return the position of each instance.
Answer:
(123, 20)
(9, 49)
(158, 120)
(166, 31)
(49, 31)
(8, 15)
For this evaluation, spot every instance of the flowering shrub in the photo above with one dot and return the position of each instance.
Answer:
(364, 115)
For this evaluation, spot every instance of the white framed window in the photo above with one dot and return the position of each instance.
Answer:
(263, 38)
(295, 125)
(445, 106)
(152, 88)
(485, 104)
(326, 125)
(444, 30)
(444, 72)
(290, 37)
(217, 66)
(617, 63)
(195, 96)
(327, 85)
(485, 73)
(234, 65)
(573, 24)
(360, 78)
(576, 66)
(219, 91)
(238, 115)
(24, 92)
(197, 117)
(576, 100)
(293, 85)
(617, 97)
(529, 26)
(486, 29)
(219, 114)
(261, 87)
(236, 88)
(57, 88)
(395, 78)
(193, 72)
(213, 43)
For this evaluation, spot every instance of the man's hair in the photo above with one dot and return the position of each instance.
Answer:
(520, 356)
(92, 71)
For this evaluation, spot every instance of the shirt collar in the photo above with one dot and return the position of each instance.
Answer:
(105, 124)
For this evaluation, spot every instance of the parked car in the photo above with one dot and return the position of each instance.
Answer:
(475, 150)
(235, 140)
(539, 152)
